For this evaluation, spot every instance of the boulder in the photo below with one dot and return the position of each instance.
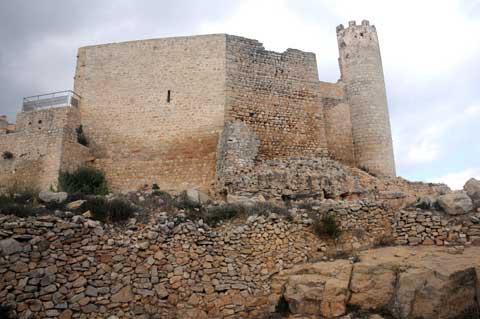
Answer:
(435, 293)
(372, 285)
(48, 197)
(197, 196)
(472, 187)
(456, 203)
(10, 246)
(318, 289)
(421, 282)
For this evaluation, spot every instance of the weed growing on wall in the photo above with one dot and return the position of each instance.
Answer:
(19, 200)
(327, 226)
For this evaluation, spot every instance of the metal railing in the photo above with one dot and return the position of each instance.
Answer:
(50, 100)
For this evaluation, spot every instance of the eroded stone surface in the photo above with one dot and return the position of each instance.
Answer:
(422, 282)
(456, 203)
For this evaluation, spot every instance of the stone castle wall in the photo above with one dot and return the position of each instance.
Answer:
(338, 125)
(43, 144)
(153, 111)
(136, 134)
(276, 94)
(362, 72)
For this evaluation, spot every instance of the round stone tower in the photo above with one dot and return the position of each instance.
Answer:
(362, 72)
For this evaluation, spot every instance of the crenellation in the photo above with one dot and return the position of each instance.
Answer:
(198, 111)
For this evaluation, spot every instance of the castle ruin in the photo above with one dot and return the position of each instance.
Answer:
(199, 111)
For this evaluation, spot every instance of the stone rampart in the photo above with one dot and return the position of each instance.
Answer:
(276, 94)
(338, 125)
(44, 143)
(153, 109)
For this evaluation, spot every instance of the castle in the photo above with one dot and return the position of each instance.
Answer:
(187, 111)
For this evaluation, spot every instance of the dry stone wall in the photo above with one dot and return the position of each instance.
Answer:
(53, 268)
(170, 267)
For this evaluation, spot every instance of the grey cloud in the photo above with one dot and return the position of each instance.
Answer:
(40, 38)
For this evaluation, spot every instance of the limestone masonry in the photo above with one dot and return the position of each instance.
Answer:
(199, 111)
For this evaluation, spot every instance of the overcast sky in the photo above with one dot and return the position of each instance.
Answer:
(430, 51)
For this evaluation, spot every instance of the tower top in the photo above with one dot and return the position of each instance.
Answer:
(356, 32)
(352, 26)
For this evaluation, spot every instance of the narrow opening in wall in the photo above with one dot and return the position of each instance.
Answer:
(169, 96)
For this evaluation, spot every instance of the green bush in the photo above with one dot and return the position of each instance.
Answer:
(10, 205)
(327, 226)
(113, 211)
(155, 187)
(119, 210)
(22, 194)
(214, 215)
(19, 210)
(85, 180)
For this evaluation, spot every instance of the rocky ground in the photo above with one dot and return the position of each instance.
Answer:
(171, 260)
(402, 282)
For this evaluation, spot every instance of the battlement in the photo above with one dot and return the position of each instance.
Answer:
(355, 31)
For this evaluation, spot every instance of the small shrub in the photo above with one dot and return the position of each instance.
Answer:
(216, 214)
(265, 209)
(7, 155)
(98, 206)
(155, 187)
(327, 226)
(23, 194)
(85, 180)
(359, 232)
(18, 201)
(81, 138)
(114, 211)
(119, 211)
(386, 240)
(19, 210)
